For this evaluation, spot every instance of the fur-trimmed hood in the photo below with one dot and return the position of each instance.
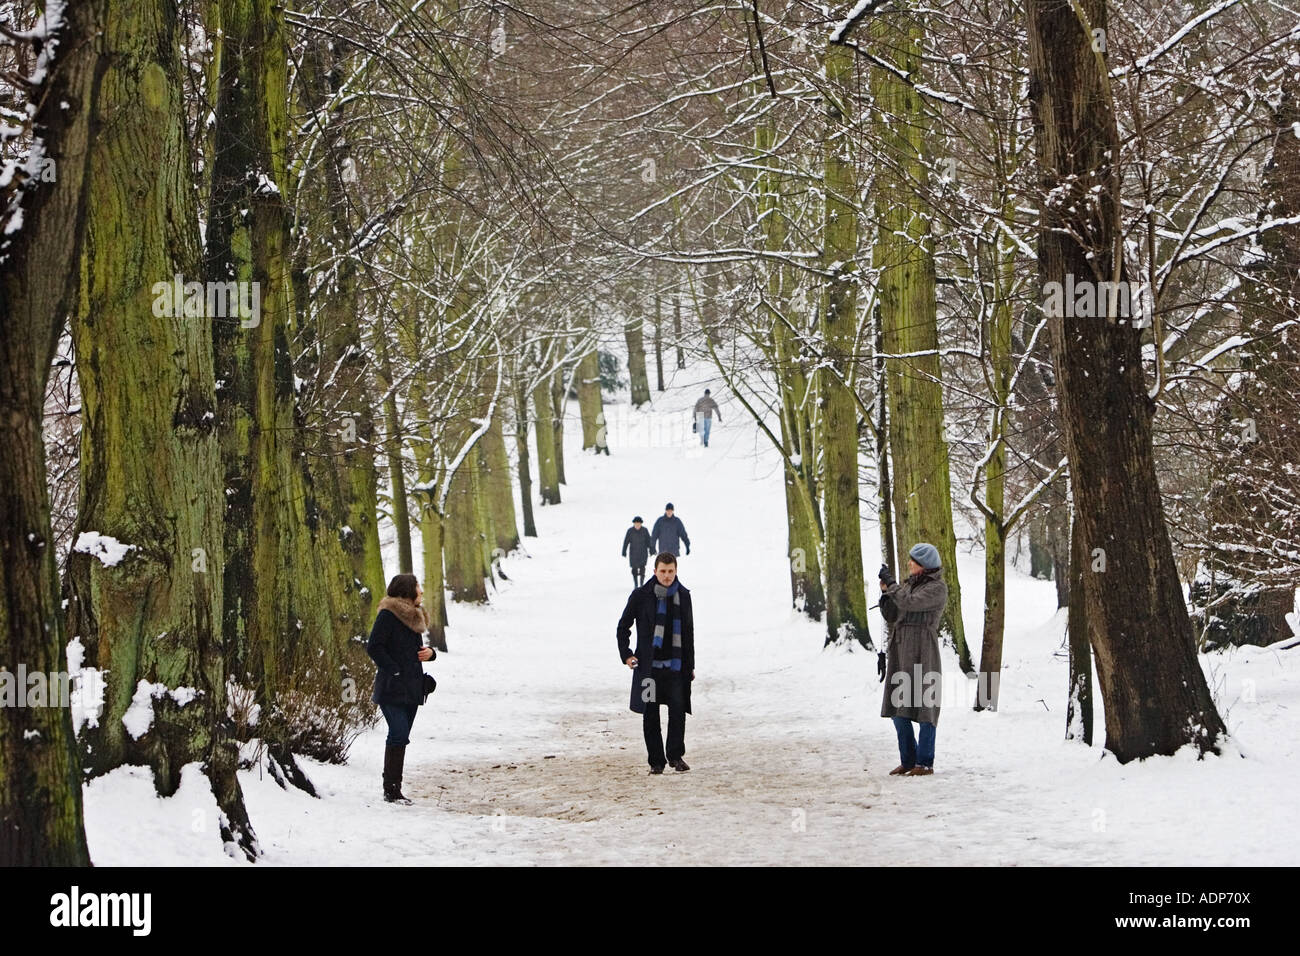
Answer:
(406, 611)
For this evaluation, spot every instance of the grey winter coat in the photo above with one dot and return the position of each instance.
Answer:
(913, 669)
(707, 407)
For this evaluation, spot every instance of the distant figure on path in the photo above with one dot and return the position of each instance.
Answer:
(636, 548)
(704, 411)
(664, 663)
(914, 671)
(669, 534)
(396, 646)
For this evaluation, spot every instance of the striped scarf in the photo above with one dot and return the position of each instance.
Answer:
(661, 620)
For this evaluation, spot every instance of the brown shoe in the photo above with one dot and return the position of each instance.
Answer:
(680, 765)
(659, 768)
(919, 771)
(900, 770)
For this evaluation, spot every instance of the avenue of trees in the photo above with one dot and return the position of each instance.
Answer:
(272, 278)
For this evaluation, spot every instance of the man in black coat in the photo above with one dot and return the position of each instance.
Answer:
(636, 548)
(669, 534)
(664, 663)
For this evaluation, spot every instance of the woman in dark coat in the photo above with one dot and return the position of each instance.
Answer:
(914, 671)
(636, 548)
(396, 646)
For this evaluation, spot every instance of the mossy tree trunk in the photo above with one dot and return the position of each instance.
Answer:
(904, 255)
(846, 603)
(286, 626)
(150, 466)
(393, 445)
(589, 399)
(521, 449)
(559, 399)
(659, 342)
(342, 431)
(634, 336)
(803, 519)
(544, 430)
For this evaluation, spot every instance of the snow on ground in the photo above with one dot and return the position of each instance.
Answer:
(527, 753)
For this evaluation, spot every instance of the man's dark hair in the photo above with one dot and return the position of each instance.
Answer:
(706, 391)
(665, 557)
(403, 586)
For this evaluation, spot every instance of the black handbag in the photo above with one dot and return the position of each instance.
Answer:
(428, 685)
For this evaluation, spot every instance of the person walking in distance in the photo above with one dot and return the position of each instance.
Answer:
(669, 534)
(913, 668)
(705, 409)
(663, 665)
(636, 548)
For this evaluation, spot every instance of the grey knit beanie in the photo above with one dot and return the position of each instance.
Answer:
(926, 555)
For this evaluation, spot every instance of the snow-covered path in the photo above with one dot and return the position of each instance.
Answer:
(528, 753)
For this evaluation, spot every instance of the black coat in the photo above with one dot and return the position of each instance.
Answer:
(636, 546)
(669, 534)
(395, 648)
(641, 606)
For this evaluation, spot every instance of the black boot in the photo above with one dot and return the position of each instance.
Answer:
(394, 757)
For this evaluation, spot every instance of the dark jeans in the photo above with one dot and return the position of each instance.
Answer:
(638, 575)
(909, 753)
(399, 717)
(670, 689)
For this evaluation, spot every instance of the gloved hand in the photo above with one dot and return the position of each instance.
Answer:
(693, 427)
(688, 549)
(886, 575)
(880, 665)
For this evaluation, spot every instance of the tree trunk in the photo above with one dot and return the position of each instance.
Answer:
(904, 254)
(499, 492)
(525, 466)
(1058, 537)
(632, 332)
(150, 466)
(543, 427)
(40, 775)
(1155, 694)
(589, 400)
(343, 437)
(803, 526)
(434, 584)
(393, 443)
(846, 603)
(282, 605)
(884, 491)
(1078, 710)
(659, 342)
(462, 546)
(677, 331)
(559, 398)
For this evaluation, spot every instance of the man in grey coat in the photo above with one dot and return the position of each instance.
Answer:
(914, 671)
(705, 409)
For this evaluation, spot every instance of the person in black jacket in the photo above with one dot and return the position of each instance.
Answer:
(636, 548)
(396, 646)
(664, 663)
